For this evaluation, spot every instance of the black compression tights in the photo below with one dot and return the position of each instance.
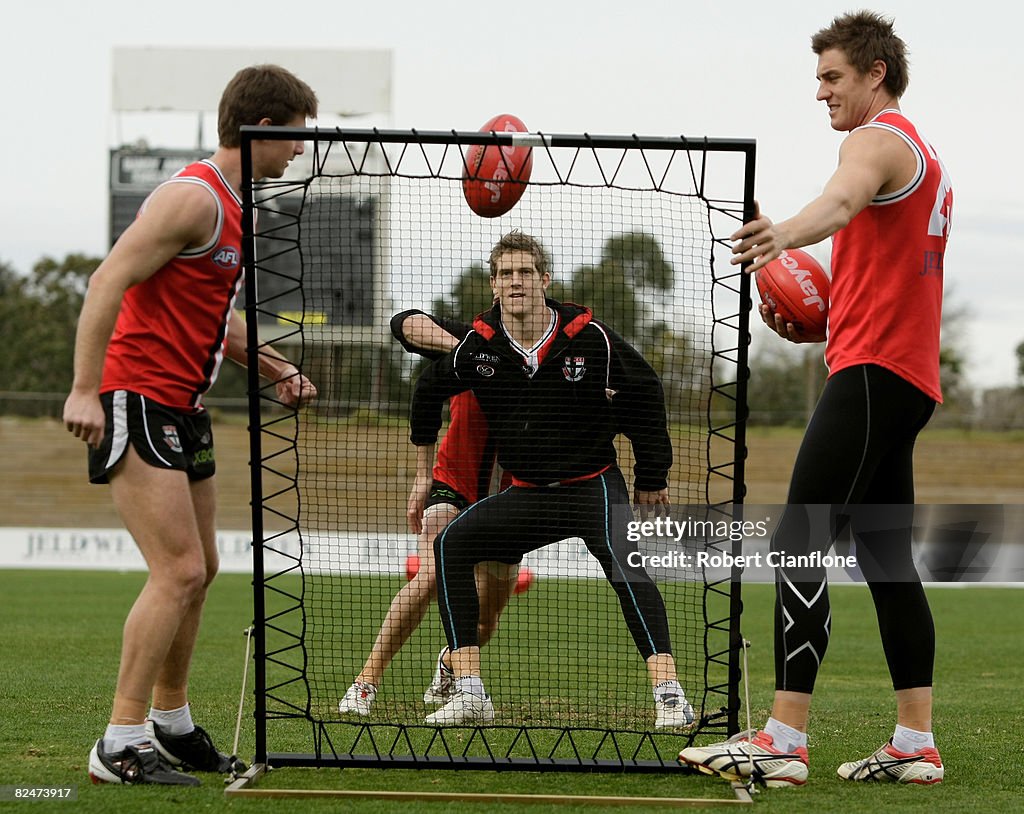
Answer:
(858, 449)
(506, 526)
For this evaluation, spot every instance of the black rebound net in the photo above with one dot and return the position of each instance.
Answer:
(371, 223)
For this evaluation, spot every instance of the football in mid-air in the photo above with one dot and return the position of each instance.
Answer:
(795, 286)
(495, 176)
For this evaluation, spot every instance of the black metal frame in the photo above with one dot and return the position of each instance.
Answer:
(381, 749)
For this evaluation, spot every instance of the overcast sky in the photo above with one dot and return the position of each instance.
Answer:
(741, 69)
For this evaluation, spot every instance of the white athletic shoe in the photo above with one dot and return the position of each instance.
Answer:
(463, 708)
(750, 755)
(358, 699)
(673, 711)
(888, 765)
(442, 686)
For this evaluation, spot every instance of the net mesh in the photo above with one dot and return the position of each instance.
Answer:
(377, 223)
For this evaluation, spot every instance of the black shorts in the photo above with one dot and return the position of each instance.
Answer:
(442, 493)
(162, 437)
(505, 526)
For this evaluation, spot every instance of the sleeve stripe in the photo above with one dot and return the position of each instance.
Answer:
(455, 354)
(608, 359)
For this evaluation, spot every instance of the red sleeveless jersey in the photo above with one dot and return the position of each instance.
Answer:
(887, 262)
(465, 458)
(171, 332)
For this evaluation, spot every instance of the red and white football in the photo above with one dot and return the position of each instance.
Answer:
(795, 286)
(495, 177)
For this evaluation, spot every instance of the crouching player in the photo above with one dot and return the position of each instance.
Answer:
(556, 387)
(461, 476)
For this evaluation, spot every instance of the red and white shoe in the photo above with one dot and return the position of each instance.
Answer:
(750, 756)
(358, 699)
(889, 765)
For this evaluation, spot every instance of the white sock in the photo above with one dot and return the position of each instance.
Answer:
(670, 687)
(119, 736)
(173, 721)
(909, 741)
(474, 685)
(785, 737)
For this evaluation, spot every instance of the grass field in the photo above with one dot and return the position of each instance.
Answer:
(60, 641)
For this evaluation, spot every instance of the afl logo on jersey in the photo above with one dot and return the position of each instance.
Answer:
(227, 257)
(574, 368)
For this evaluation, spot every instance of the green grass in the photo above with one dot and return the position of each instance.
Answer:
(61, 630)
(347, 609)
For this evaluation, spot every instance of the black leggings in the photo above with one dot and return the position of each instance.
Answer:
(858, 449)
(506, 526)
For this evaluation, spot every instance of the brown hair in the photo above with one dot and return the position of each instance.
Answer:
(864, 37)
(262, 92)
(516, 241)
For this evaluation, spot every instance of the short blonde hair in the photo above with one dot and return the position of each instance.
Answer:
(516, 241)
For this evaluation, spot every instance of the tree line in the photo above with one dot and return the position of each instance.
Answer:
(626, 288)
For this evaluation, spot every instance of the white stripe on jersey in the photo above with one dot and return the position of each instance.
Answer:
(915, 182)
(199, 251)
(531, 356)
(223, 180)
(215, 238)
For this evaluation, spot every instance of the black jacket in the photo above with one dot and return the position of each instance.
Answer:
(560, 423)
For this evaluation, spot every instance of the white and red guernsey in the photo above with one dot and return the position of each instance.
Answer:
(887, 266)
(171, 332)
